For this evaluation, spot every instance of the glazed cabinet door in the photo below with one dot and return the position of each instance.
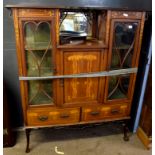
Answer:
(38, 59)
(122, 54)
(81, 90)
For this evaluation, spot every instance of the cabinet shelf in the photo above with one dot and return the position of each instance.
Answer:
(38, 47)
(84, 44)
(122, 47)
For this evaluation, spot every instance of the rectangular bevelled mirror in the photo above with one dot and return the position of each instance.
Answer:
(80, 26)
(38, 48)
(123, 44)
(40, 92)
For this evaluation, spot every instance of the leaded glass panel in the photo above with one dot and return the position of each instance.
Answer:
(40, 92)
(118, 87)
(38, 48)
(123, 44)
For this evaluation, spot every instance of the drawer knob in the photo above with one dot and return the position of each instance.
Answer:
(115, 111)
(43, 118)
(64, 116)
(94, 113)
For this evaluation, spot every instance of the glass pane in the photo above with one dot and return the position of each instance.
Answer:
(40, 92)
(37, 65)
(118, 87)
(38, 48)
(123, 44)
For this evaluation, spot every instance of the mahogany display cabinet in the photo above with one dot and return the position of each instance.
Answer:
(76, 66)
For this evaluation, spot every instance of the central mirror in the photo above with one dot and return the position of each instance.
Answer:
(80, 26)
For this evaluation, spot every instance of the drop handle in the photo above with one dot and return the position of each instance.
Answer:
(114, 111)
(64, 116)
(94, 113)
(43, 118)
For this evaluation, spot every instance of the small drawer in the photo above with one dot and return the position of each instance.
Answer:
(66, 116)
(126, 14)
(117, 111)
(103, 112)
(53, 116)
(38, 117)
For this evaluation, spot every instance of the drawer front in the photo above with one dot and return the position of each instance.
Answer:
(99, 113)
(126, 14)
(51, 117)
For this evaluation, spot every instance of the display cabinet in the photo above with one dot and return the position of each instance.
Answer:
(76, 66)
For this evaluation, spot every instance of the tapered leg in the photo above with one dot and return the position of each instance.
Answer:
(28, 140)
(126, 130)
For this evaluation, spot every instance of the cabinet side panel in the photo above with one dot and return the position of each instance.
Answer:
(18, 49)
(140, 39)
(108, 27)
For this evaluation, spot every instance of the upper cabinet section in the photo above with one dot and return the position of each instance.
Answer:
(82, 28)
(40, 33)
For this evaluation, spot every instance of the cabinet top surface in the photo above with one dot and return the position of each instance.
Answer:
(89, 4)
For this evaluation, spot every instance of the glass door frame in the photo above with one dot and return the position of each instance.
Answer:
(134, 60)
(51, 20)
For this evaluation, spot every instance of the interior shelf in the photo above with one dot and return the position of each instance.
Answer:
(122, 47)
(38, 46)
(84, 44)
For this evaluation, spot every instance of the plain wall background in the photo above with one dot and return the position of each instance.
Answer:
(10, 68)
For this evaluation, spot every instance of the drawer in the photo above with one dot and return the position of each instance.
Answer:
(100, 112)
(51, 117)
(126, 14)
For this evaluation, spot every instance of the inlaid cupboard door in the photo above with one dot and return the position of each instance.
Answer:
(38, 59)
(81, 90)
(124, 40)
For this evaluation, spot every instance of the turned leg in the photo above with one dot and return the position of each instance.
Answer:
(28, 140)
(126, 130)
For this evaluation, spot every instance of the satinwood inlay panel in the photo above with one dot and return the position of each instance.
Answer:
(81, 89)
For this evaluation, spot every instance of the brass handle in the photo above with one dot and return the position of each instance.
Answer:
(43, 118)
(64, 116)
(94, 113)
(115, 111)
